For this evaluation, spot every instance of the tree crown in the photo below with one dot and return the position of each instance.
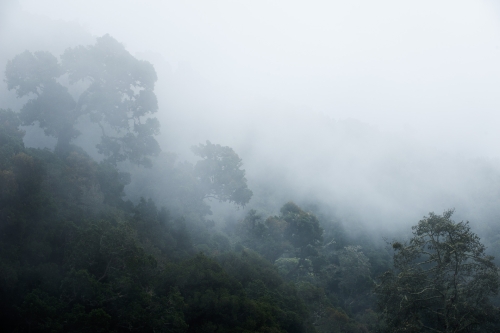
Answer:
(119, 97)
(442, 280)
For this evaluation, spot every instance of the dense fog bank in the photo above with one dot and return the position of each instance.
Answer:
(249, 167)
(383, 177)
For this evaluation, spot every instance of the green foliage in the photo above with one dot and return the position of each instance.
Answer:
(247, 266)
(303, 228)
(111, 183)
(335, 283)
(241, 293)
(442, 280)
(286, 265)
(265, 237)
(220, 174)
(119, 97)
(38, 311)
(76, 186)
(11, 137)
(76, 257)
(295, 232)
(356, 283)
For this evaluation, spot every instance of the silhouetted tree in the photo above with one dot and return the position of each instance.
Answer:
(303, 230)
(220, 174)
(119, 97)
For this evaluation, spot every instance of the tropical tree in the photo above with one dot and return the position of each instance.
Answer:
(220, 175)
(303, 229)
(356, 283)
(118, 97)
(441, 282)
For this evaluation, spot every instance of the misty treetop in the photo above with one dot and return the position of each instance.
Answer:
(118, 97)
(79, 255)
(75, 257)
(220, 174)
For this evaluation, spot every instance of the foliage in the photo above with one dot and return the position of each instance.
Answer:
(442, 280)
(11, 137)
(217, 301)
(75, 257)
(295, 231)
(303, 230)
(325, 277)
(264, 236)
(119, 97)
(220, 174)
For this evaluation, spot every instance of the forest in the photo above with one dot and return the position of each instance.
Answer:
(106, 232)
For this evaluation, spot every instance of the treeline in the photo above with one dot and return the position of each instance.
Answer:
(75, 256)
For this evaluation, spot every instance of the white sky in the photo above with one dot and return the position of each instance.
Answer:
(431, 68)
(427, 70)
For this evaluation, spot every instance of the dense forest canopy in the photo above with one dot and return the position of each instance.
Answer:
(77, 256)
(140, 194)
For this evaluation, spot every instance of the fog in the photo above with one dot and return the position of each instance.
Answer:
(381, 111)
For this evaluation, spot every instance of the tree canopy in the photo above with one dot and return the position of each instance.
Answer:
(220, 174)
(77, 255)
(118, 97)
(442, 281)
(303, 228)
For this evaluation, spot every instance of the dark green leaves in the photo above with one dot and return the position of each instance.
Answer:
(442, 282)
(303, 228)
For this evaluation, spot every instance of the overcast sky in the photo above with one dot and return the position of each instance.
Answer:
(421, 77)
(430, 68)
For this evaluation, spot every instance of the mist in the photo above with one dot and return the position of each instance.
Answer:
(381, 111)
(230, 166)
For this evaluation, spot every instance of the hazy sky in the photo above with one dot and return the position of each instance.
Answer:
(422, 78)
(429, 68)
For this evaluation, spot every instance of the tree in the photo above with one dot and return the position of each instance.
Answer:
(264, 236)
(303, 230)
(220, 174)
(119, 97)
(355, 283)
(442, 280)
(11, 137)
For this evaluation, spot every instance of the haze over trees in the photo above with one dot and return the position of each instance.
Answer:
(220, 174)
(104, 244)
(119, 97)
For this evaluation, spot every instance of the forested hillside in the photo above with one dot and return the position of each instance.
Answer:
(78, 255)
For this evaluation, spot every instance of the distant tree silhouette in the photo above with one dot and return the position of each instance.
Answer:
(119, 97)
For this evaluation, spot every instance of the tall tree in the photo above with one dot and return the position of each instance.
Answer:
(442, 280)
(220, 174)
(119, 97)
(303, 230)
